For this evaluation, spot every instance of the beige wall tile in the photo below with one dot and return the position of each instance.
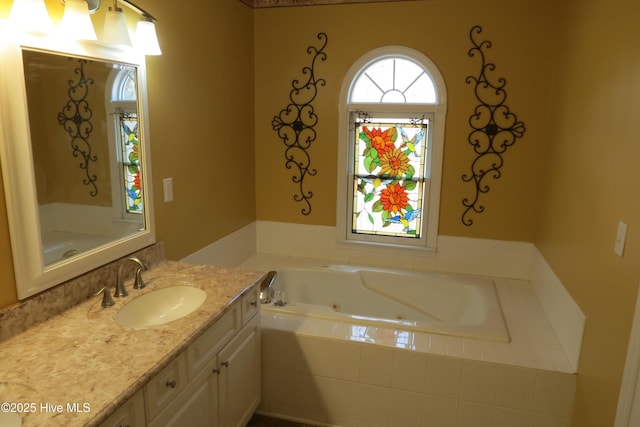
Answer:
(341, 398)
(284, 351)
(406, 409)
(439, 412)
(310, 392)
(315, 355)
(515, 387)
(409, 370)
(373, 404)
(474, 415)
(479, 381)
(375, 365)
(554, 393)
(541, 420)
(504, 417)
(344, 360)
(443, 376)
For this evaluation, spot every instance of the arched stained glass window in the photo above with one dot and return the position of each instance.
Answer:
(392, 132)
(127, 167)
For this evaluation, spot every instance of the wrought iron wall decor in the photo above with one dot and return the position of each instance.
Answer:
(75, 118)
(296, 123)
(494, 127)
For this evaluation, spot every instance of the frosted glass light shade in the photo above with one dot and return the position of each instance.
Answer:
(30, 15)
(115, 29)
(147, 39)
(76, 21)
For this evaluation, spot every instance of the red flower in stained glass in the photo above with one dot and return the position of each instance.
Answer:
(381, 141)
(136, 181)
(394, 198)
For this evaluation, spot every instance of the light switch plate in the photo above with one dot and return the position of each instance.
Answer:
(167, 189)
(621, 237)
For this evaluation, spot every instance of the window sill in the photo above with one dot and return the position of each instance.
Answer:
(376, 246)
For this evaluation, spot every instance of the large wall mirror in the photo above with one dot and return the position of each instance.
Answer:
(75, 159)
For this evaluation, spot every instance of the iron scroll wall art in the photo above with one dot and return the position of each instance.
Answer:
(296, 123)
(494, 127)
(75, 118)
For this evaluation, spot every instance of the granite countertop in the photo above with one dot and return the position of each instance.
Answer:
(79, 367)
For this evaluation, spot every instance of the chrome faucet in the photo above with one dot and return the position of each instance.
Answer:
(121, 290)
(266, 287)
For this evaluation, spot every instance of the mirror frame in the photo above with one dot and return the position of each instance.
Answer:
(31, 274)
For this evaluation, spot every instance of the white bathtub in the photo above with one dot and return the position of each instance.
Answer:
(427, 302)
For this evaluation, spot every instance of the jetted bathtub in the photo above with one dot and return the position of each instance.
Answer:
(448, 304)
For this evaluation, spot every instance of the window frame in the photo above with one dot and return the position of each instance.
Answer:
(434, 112)
(116, 105)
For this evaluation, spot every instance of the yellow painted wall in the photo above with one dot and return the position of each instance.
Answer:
(201, 113)
(439, 29)
(592, 178)
(201, 110)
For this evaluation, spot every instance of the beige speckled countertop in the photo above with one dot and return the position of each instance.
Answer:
(83, 356)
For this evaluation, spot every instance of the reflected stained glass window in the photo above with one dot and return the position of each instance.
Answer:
(389, 176)
(131, 162)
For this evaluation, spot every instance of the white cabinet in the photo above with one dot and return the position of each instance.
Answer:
(194, 406)
(239, 382)
(131, 414)
(215, 382)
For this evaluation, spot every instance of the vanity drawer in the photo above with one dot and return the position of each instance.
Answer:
(165, 386)
(250, 304)
(205, 347)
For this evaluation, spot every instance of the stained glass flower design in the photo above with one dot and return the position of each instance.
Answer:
(131, 163)
(389, 177)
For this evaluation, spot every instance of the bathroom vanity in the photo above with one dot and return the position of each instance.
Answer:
(84, 368)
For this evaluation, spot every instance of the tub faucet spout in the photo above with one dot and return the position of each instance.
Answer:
(266, 287)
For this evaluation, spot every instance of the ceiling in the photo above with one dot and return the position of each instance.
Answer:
(283, 3)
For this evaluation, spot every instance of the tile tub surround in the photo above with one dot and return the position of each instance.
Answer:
(534, 343)
(350, 383)
(84, 356)
(331, 373)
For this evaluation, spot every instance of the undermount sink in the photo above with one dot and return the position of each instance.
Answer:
(160, 306)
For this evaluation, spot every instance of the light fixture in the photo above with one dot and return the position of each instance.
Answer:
(115, 29)
(30, 15)
(76, 21)
(146, 39)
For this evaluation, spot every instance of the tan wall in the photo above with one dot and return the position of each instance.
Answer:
(201, 110)
(201, 113)
(441, 31)
(592, 183)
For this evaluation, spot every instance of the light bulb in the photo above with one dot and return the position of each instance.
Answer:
(30, 15)
(146, 38)
(115, 29)
(76, 21)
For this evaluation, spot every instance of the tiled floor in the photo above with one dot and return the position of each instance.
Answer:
(262, 421)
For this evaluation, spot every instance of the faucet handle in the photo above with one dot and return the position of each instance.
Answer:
(107, 300)
(138, 282)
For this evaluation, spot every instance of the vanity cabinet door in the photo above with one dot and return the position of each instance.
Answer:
(131, 414)
(164, 387)
(239, 382)
(196, 406)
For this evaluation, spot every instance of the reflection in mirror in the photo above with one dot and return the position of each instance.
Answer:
(83, 121)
